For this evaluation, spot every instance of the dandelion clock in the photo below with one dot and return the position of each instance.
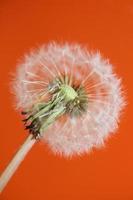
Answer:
(69, 97)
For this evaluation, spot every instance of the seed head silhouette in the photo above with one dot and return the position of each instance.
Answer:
(77, 89)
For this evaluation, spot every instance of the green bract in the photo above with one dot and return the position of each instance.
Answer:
(64, 99)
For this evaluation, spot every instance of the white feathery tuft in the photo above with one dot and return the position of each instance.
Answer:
(68, 135)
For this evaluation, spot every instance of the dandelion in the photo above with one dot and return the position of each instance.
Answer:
(69, 97)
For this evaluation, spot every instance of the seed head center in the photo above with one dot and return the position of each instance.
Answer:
(69, 93)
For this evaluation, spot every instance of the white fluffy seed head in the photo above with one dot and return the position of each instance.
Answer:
(72, 135)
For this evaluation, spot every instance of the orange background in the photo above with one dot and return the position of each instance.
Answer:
(107, 25)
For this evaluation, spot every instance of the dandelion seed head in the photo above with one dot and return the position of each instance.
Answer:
(85, 97)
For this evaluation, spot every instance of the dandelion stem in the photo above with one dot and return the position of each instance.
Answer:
(16, 161)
